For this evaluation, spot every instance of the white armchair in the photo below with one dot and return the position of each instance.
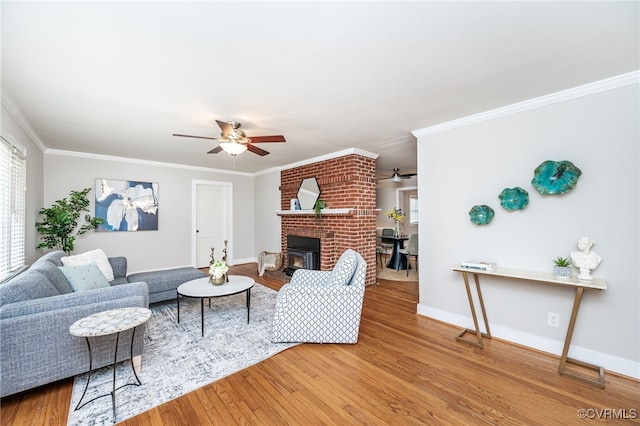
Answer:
(322, 306)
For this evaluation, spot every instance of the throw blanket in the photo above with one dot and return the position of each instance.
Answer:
(266, 260)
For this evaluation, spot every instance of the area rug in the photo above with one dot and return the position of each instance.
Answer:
(177, 359)
(391, 274)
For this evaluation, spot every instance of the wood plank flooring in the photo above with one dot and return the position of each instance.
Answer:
(406, 369)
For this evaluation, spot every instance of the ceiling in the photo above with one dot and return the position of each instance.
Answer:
(118, 78)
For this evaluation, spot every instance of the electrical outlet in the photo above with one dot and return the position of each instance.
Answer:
(553, 319)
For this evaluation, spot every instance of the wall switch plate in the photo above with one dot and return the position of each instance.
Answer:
(553, 319)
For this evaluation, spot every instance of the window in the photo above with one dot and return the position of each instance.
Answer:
(13, 183)
(413, 209)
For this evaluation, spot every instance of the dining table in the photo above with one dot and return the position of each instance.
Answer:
(397, 261)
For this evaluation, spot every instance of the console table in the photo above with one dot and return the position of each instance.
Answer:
(542, 277)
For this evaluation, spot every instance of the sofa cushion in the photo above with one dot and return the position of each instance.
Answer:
(118, 281)
(51, 257)
(84, 277)
(54, 275)
(31, 284)
(119, 267)
(168, 279)
(96, 256)
(344, 269)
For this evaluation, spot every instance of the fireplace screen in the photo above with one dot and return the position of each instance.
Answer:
(302, 253)
(300, 259)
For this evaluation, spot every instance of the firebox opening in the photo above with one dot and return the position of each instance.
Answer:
(302, 253)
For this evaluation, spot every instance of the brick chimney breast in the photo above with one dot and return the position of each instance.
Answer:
(347, 183)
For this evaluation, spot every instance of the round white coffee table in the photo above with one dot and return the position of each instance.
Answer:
(201, 288)
(105, 323)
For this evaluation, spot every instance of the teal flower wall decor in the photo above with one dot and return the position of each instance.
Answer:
(514, 198)
(555, 177)
(481, 214)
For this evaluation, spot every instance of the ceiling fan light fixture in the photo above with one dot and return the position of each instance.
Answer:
(396, 178)
(233, 148)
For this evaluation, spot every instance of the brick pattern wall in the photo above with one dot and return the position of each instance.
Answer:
(346, 182)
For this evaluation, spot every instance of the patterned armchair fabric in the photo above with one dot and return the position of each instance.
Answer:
(322, 306)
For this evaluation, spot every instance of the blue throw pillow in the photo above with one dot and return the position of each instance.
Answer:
(84, 277)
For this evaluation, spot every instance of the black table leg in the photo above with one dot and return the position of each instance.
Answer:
(178, 303)
(248, 303)
(113, 385)
(202, 315)
(133, 335)
(88, 377)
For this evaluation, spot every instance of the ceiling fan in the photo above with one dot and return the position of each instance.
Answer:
(235, 141)
(397, 176)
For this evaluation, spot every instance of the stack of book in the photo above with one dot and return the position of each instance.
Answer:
(479, 265)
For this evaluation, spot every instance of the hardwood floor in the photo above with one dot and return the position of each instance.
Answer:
(405, 369)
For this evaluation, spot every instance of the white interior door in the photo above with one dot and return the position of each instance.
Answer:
(212, 221)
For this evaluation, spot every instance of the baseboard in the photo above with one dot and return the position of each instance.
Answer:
(245, 260)
(609, 362)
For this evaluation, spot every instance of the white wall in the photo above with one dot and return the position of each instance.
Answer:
(14, 133)
(387, 197)
(171, 245)
(463, 166)
(267, 202)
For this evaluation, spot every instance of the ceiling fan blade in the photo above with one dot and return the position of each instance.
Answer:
(396, 172)
(197, 137)
(257, 150)
(225, 127)
(262, 139)
(215, 150)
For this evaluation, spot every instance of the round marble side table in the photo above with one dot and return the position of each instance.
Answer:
(105, 323)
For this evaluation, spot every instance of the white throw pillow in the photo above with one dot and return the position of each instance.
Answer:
(94, 256)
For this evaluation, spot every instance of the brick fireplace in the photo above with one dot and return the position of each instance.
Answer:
(348, 187)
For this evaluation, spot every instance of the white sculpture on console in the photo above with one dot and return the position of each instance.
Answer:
(585, 259)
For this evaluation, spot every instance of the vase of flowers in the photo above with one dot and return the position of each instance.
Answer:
(218, 273)
(397, 215)
(218, 268)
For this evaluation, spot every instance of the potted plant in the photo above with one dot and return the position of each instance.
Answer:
(59, 225)
(317, 208)
(562, 268)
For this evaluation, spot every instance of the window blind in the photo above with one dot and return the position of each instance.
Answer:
(413, 209)
(13, 182)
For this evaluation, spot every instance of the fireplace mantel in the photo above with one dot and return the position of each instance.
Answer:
(345, 212)
(312, 233)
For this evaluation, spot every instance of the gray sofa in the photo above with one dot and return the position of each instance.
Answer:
(38, 306)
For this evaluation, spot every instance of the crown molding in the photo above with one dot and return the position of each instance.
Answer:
(330, 156)
(63, 153)
(337, 154)
(15, 113)
(565, 95)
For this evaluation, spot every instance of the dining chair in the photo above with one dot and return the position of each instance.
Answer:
(410, 250)
(383, 245)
